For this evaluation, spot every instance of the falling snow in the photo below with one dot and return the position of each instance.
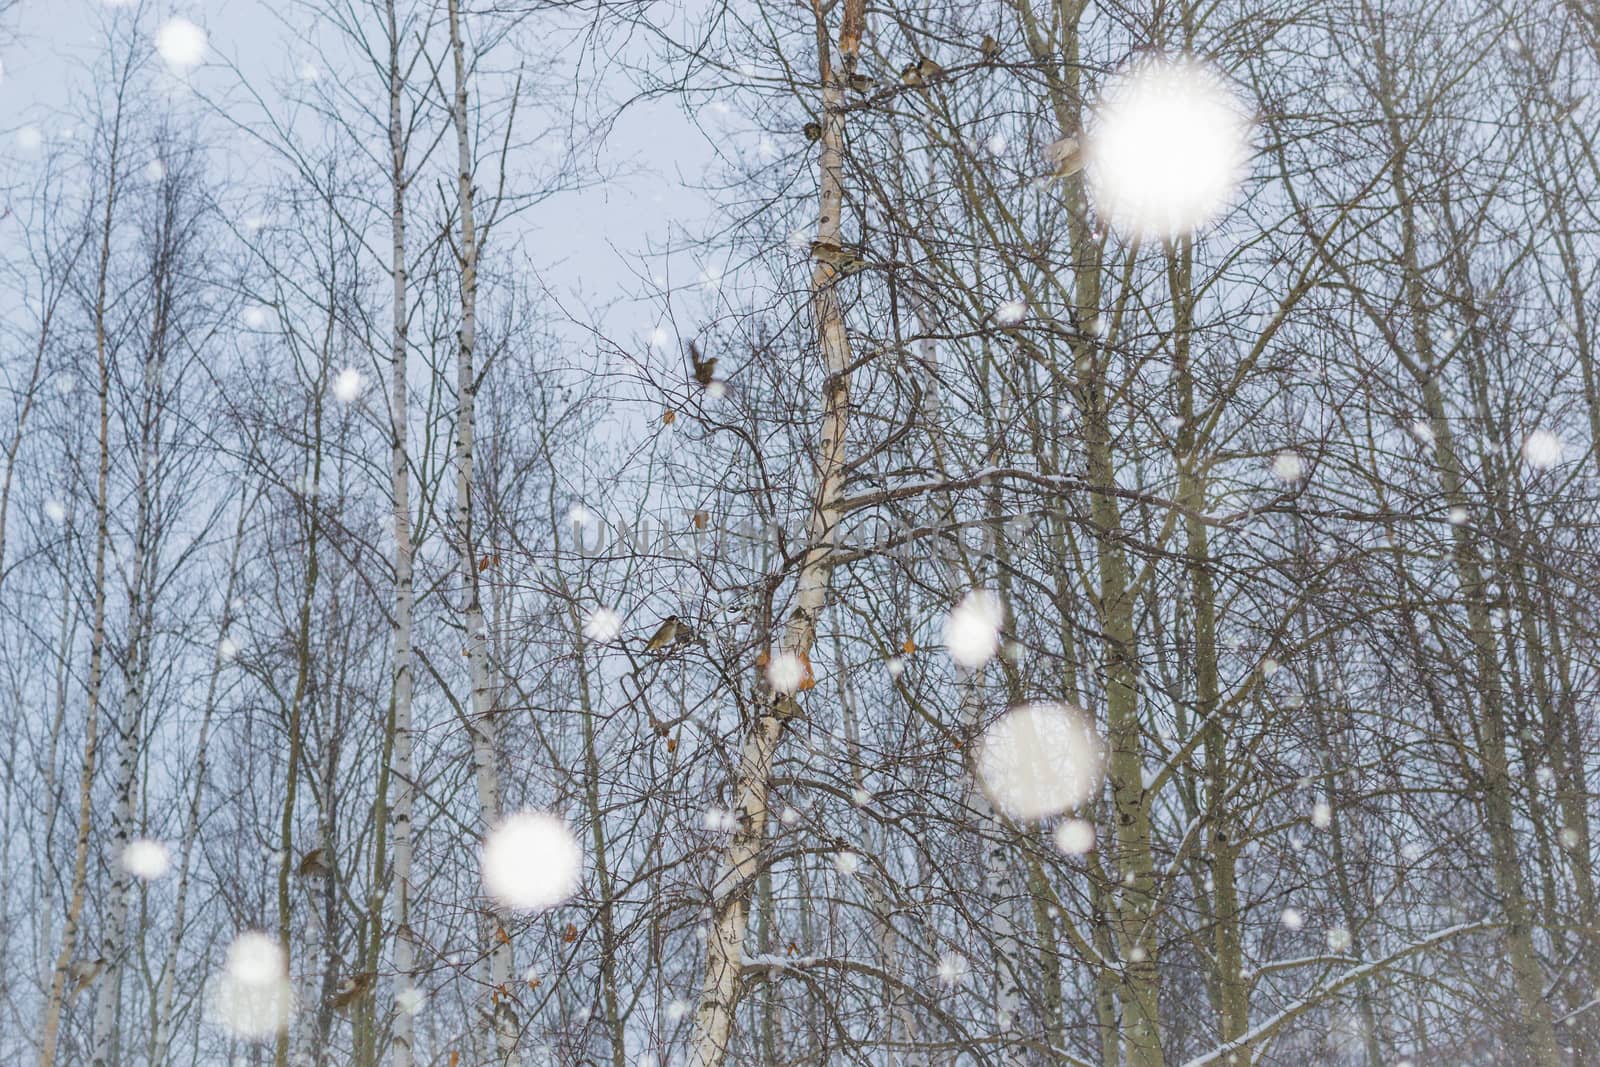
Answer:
(1074, 836)
(1011, 312)
(1288, 467)
(181, 43)
(348, 385)
(531, 862)
(252, 997)
(1129, 531)
(786, 672)
(603, 625)
(1168, 147)
(1542, 449)
(972, 629)
(952, 969)
(1039, 760)
(146, 859)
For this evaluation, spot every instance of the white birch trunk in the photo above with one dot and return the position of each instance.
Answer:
(730, 898)
(403, 780)
(64, 640)
(481, 725)
(141, 592)
(51, 1031)
(114, 938)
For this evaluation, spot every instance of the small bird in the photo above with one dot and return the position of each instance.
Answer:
(314, 864)
(813, 131)
(666, 634)
(861, 83)
(1065, 157)
(351, 990)
(843, 259)
(84, 972)
(921, 72)
(705, 370)
(989, 48)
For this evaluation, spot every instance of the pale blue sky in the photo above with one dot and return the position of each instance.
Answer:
(589, 244)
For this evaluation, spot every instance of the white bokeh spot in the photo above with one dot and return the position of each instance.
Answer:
(1168, 148)
(531, 861)
(1011, 312)
(972, 629)
(602, 625)
(1542, 450)
(146, 860)
(1074, 836)
(1288, 467)
(252, 998)
(786, 673)
(1038, 760)
(181, 44)
(348, 385)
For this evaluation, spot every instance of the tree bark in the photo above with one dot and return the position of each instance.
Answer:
(141, 586)
(1533, 1025)
(730, 898)
(54, 1003)
(402, 773)
(481, 725)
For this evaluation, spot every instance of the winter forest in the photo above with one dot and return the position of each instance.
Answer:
(621, 533)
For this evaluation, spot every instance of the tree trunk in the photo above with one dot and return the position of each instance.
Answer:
(1233, 990)
(142, 587)
(720, 987)
(402, 773)
(55, 1001)
(294, 720)
(481, 725)
(1532, 1024)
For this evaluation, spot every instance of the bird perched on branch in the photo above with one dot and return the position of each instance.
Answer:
(812, 130)
(705, 370)
(844, 259)
(1065, 157)
(921, 72)
(861, 83)
(672, 631)
(314, 864)
(989, 48)
(351, 990)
